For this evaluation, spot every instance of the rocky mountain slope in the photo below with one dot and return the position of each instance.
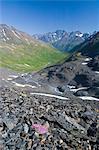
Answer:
(20, 51)
(90, 47)
(10, 35)
(70, 124)
(56, 108)
(63, 40)
(81, 69)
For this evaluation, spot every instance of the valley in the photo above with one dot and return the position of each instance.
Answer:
(49, 75)
(54, 91)
(62, 40)
(20, 52)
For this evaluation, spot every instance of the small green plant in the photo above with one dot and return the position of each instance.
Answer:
(28, 58)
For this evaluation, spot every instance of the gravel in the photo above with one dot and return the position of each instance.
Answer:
(73, 124)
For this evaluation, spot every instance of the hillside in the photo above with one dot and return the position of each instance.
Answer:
(56, 108)
(90, 47)
(19, 51)
(80, 70)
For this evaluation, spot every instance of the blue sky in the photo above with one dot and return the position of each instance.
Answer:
(37, 16)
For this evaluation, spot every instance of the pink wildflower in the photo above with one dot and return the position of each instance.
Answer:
(41, 129)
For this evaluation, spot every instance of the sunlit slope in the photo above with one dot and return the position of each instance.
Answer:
(20, 51)
(28, 58)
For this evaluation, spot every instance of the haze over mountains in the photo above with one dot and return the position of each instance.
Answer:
(63, 40)
(59, 39)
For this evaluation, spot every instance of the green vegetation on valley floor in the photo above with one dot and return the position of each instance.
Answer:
(28, 58)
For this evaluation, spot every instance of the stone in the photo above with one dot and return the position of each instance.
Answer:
(9, 123)
(30, 143)
(26, 128)
(92, 130)
(81, 93)
(61, 141)
(61, 117)
(88, 115)
(1, 127)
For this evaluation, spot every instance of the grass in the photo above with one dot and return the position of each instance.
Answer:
(28, 58)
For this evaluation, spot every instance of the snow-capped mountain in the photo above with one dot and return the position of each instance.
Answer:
(90, 47)
(63, 40)
(9, 34)
(51, 37)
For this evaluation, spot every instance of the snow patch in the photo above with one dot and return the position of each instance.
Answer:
(3, 79)
(97, 72)
(59, 38)
(88, 59)
(80, 35)
(15, 34)
(8, 38)
(89, 98)
(84, 63)
(4, 39)
(9, 79)
(71, 87)
(54, 33)
(57, 91)
(82, 88)
(24, 85)
(13, 76)
(31, 86)
(50, 95)
(4, 32)
(18, 33)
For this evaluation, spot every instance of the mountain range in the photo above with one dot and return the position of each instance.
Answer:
(20, 51)
(90, 47)
(61, 98)
(79, 72)
(23, 52)
(63, 40)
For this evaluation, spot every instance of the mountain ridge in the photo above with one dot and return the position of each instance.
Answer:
(90, 47)
(63, 40)
(22, 52)
(61, 99)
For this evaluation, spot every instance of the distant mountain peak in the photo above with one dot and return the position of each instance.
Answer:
(10, 34)
(90, 47)
(63, 40)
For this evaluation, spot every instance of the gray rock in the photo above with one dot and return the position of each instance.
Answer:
(1, 125)
(88, 115)
(92, 130)
(81, 93)
(26, 128)
(10, 123)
